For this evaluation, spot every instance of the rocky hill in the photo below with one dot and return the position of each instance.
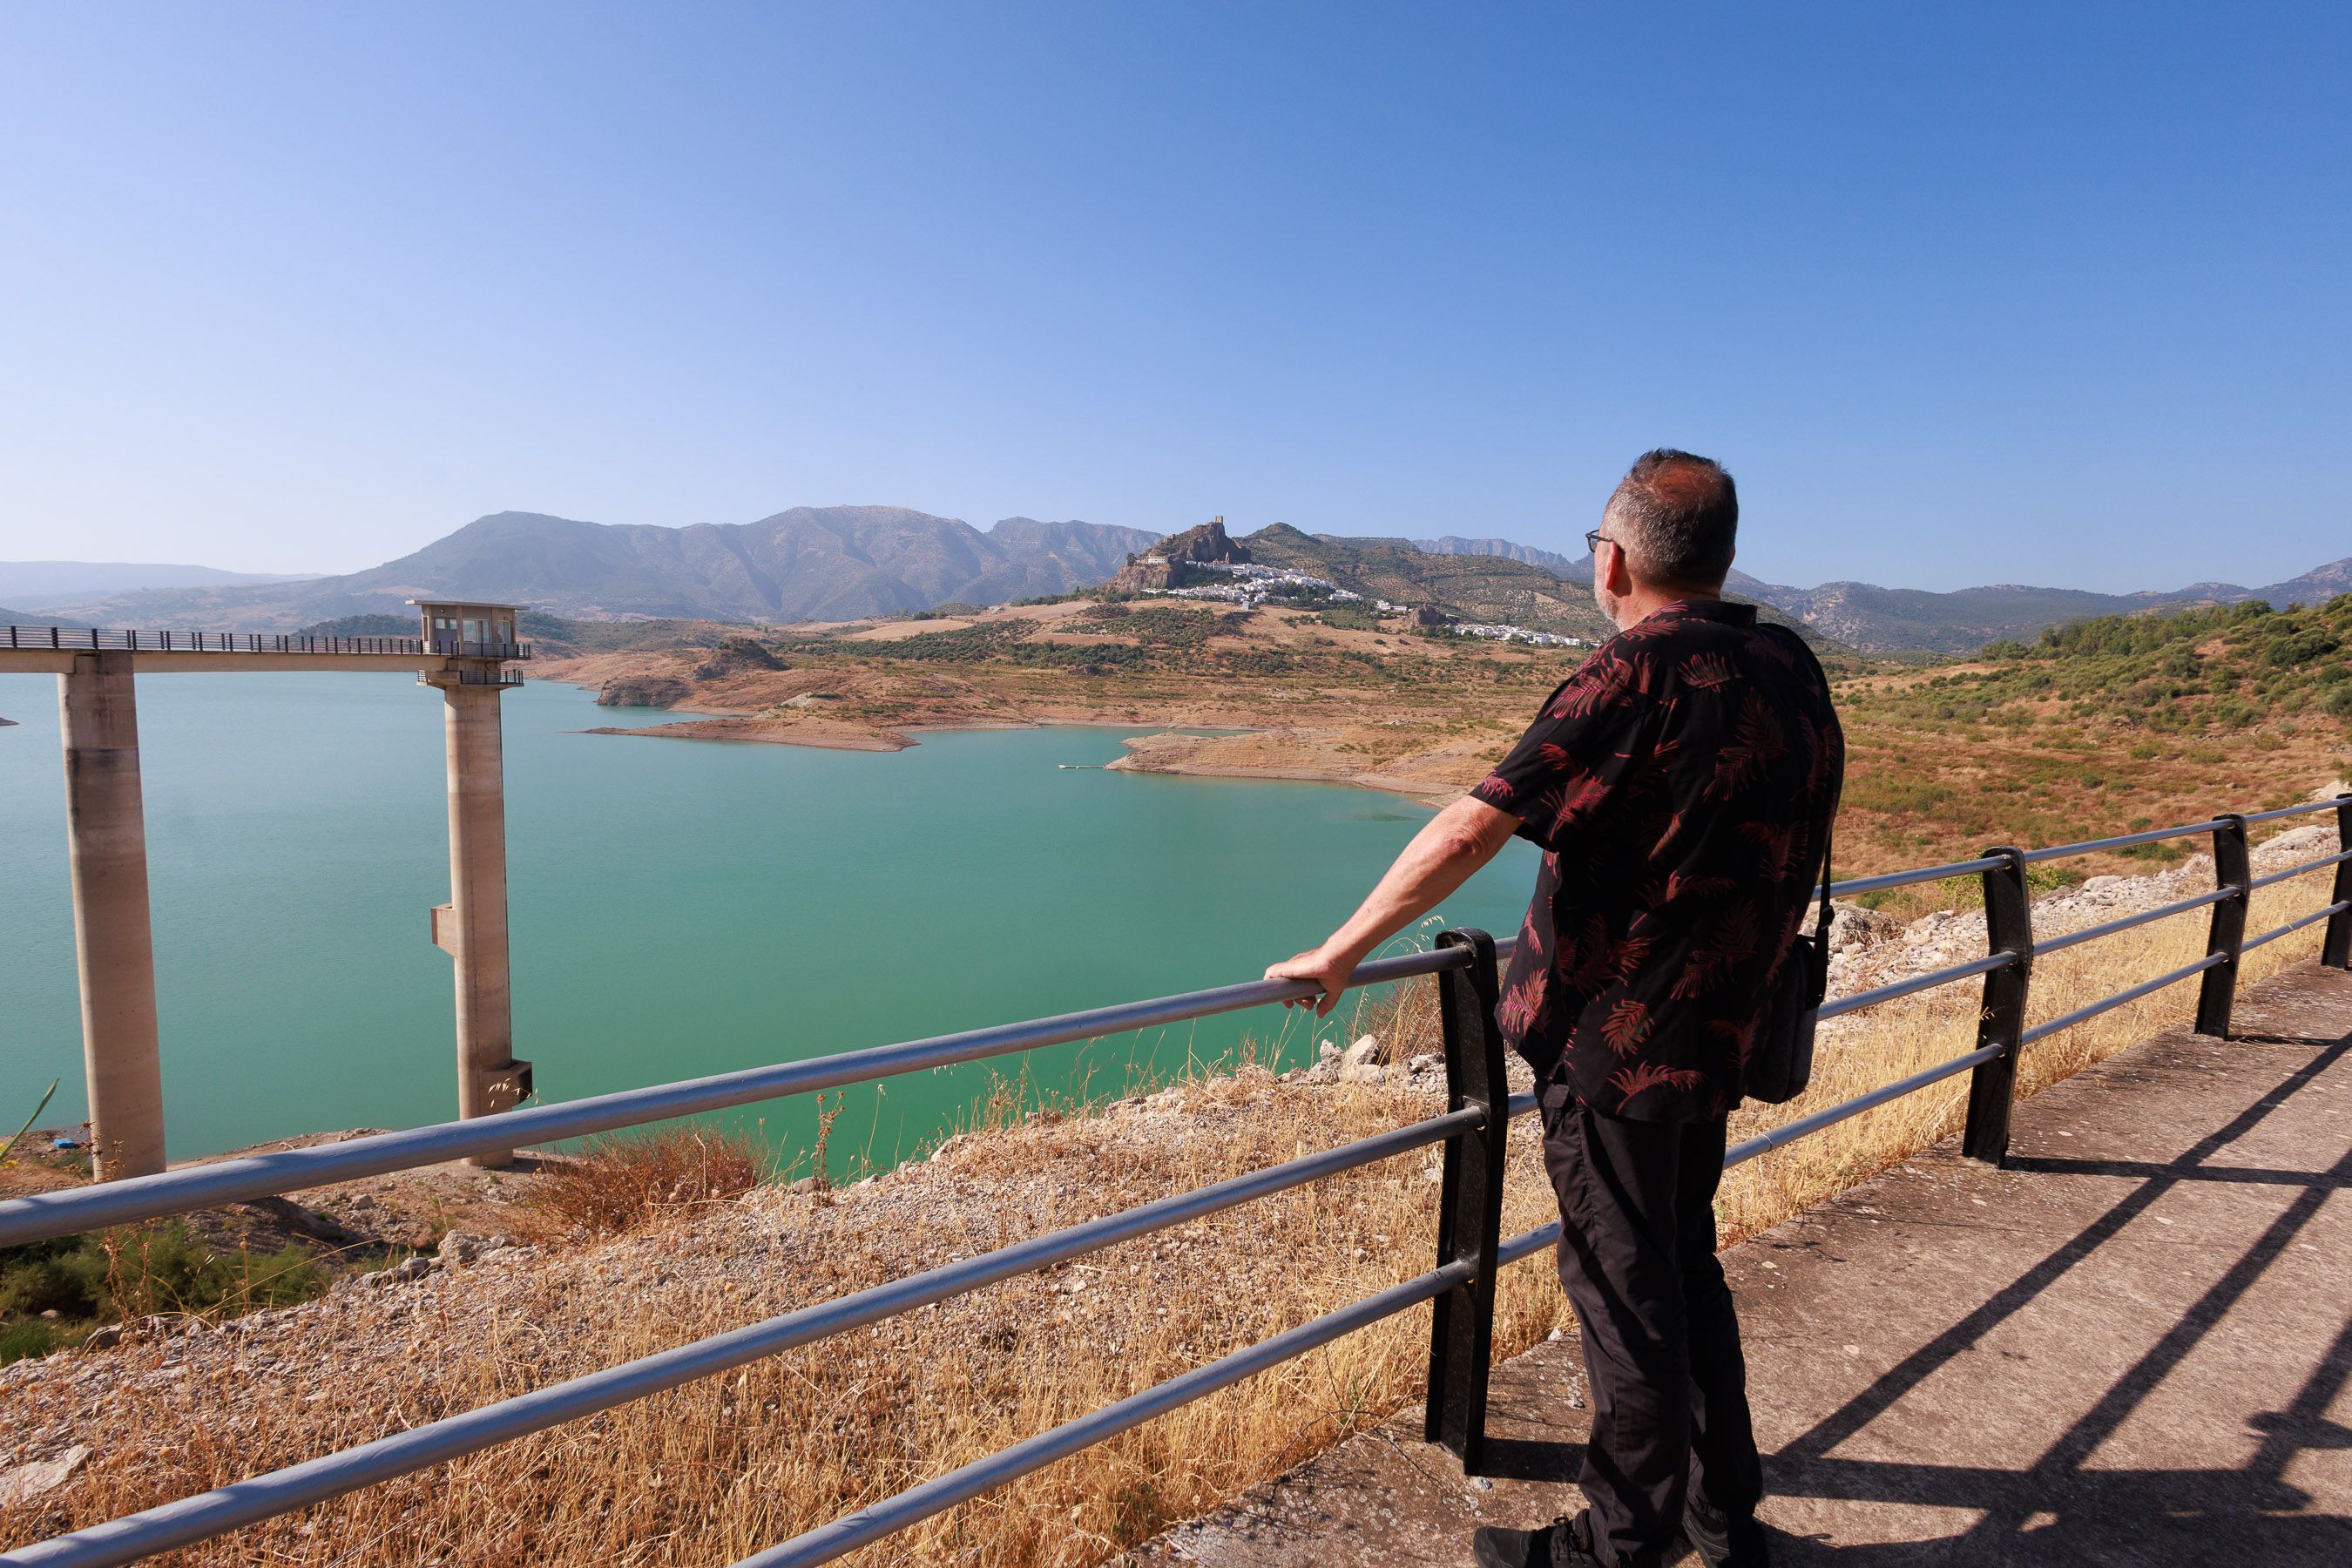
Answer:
(805, 563)
(1470, 586)
(1173, 561)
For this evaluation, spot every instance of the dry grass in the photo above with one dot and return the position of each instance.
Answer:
(618, 1184)
(735, 1463)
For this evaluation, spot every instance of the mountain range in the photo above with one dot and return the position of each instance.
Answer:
(843, 563)
(834, 562)
(41, 582)
(1893, 620)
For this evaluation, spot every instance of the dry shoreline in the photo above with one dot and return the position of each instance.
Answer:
(1160, 750)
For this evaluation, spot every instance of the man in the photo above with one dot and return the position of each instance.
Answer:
(1681, 784)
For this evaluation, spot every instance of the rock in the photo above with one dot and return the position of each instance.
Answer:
(1361, 1064)
(459, 1247)
(25, 1483)
(401, 1273)
(104, 1337)
(643, 691)
(1171, 562)
(2293, 848)
(733, 657)
(1851, 925)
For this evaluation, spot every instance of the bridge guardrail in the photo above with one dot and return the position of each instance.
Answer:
(1470, 1249)
(63, 640)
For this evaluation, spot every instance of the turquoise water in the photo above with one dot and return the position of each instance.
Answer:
(678, 908)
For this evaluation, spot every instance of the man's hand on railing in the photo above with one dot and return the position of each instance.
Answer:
(1326, 966)
(1454, 844)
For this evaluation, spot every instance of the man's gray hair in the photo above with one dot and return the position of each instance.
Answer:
(1676, 516)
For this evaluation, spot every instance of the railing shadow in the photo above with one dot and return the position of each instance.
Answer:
(2059, 1509)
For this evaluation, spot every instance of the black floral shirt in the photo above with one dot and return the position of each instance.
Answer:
(1681, 784)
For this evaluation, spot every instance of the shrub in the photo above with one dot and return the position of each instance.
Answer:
(617, 1184)
(20, 1341)
(134, 1271)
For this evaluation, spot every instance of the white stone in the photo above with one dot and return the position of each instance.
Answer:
(1361, 1062)
(25, 1483)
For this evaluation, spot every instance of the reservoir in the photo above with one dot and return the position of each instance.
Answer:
(678, 908)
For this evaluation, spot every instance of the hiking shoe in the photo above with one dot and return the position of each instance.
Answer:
(1562, 1543)
(1723, 1542)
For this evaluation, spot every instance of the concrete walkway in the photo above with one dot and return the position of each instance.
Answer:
(2132, 1346)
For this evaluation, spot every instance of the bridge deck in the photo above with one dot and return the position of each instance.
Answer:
(2132, 1347)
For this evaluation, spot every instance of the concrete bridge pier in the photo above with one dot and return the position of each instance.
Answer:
(106, 823)
(472, 926)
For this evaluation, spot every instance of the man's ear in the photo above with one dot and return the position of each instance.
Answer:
(1618, 580)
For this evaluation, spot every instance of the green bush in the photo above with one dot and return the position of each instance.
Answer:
(20, 1341)
(131, 1273)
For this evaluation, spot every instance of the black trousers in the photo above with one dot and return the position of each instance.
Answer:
(1669, 1386)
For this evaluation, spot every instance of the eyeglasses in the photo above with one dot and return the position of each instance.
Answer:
(1593, 538)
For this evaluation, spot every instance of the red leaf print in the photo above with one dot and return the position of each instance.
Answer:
(1519, 1007)
(1626, 1026)
(1594, 964)
(1776, 846)
(1633, 951)
(1756, 740)
(1705, 670)
(1605, 686)
(1824, 752)
(1628, 1081)
(1673, 831)
(1742, 1035)
(1579, 796)
(1643, 631)
(1734, 943)
(1682, 886)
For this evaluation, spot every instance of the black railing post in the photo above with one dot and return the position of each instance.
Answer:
(2336, 950)
(1992, 1086)
(2232, 868)
(1470, 1204)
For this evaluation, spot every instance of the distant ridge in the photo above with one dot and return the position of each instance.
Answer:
(1891, 620)
(1576, 567)
(843, 563)
(62, 581)
(834, 562)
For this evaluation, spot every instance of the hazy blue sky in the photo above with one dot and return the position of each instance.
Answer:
(1962, 294)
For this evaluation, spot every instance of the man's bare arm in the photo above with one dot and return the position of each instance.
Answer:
(1441, 857)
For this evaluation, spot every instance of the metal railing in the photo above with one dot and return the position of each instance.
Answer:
(454, 649)
(64, 639)
(1471, 1249)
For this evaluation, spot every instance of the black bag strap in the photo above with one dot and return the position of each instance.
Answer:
(1829, 829)
(1828, 844)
